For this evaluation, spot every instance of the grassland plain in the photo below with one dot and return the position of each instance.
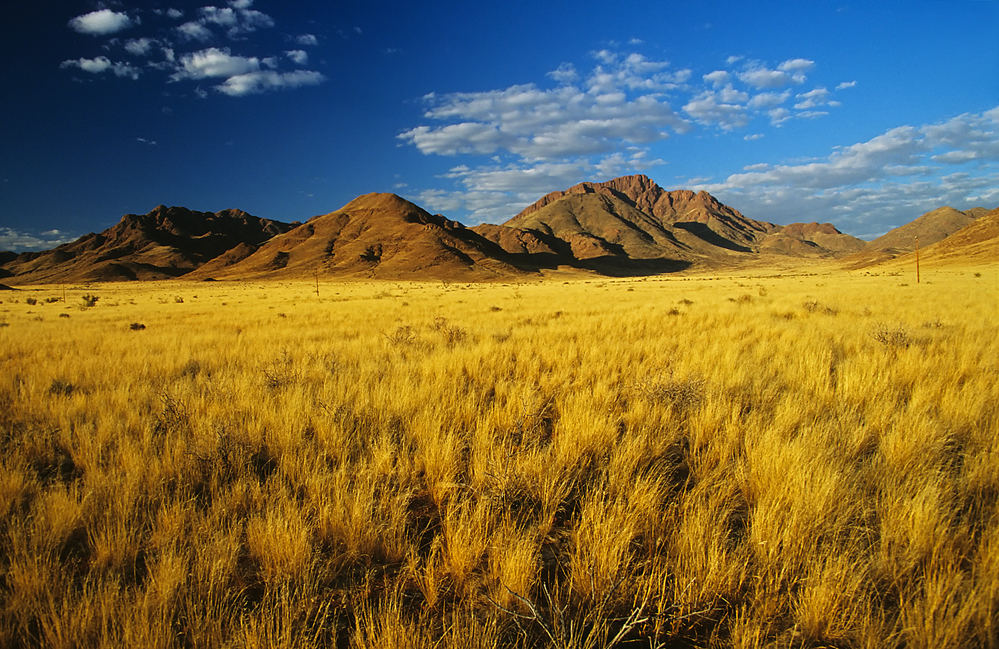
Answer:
(802, 460)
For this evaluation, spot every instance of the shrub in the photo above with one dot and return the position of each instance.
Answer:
(30, 301)
(683, 394)
(89, 301)
(452, 334)
(813, 306)
(136, 326)
(61, 387)
(892, 337)
(403, 335)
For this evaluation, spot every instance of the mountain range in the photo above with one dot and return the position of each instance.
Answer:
(623, 227)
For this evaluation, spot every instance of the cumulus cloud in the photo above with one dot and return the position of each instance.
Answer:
(237, 20)
(24, 241)
(565, 73)
(298, 56)
(236, 74)
(195, 31)
(140, 46)
(102, 64)
(710, 107)
(717, 78)
(214, 62)
(769, 99)
(102, 22)
(494, 193)
(597, 123)
(870, 187)
(619, 103)
(260, 81)
(812, 98)
(787, 73)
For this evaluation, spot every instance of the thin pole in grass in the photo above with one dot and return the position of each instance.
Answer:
(317, 281)
(917, 260)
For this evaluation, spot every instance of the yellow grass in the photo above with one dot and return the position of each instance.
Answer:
(724, 461)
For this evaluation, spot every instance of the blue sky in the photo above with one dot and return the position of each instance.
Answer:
(863, 114)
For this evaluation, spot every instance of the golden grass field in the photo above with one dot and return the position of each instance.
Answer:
(805, 460)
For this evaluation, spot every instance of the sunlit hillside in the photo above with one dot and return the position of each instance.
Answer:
(804, 459)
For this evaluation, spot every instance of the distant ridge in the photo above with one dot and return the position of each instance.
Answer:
(928, 229)
(626, 226)
(976, 242)
(165, 243)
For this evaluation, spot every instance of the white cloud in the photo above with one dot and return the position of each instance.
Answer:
(769, 99)
(812, 98)
(214, 62)
(495, 193)
(717, 78)
(619, 103)
(102, 22)
(298, 56)
(264, 80)
(237, 20)
(23, 241)
(195, 31)
(789, 72)
(600, 123)
(796, 66)
(872, 186)
(140, 46)
(101, 64)
(307, 39)
(846, 84)
(710, 107)
(565, 73)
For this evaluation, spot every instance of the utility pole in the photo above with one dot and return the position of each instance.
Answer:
(917, 260)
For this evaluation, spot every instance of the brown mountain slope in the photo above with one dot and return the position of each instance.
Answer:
(633, 218)
(167, 242)
(375, 236)
(976, 242)
(703, 218)
(930, 228)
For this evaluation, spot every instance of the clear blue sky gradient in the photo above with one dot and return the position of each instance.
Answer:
(863, 114)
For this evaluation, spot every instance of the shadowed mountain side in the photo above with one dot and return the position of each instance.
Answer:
(378, 236)
(165, 243)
